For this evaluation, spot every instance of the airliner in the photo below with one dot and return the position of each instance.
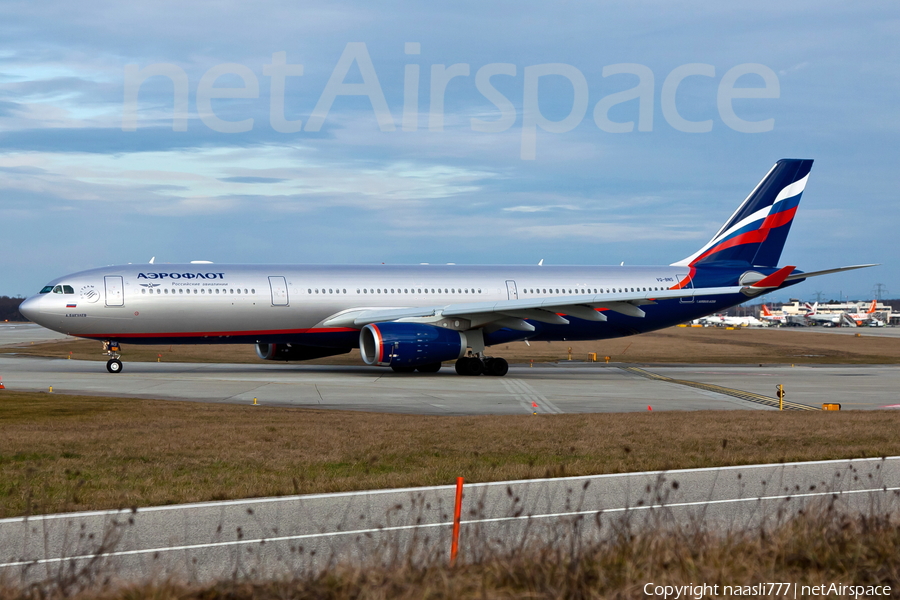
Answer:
(853, 319)
(724, 320)
(769, 316)
(414, 318)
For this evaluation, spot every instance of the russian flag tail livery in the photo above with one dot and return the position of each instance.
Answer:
(756, 232)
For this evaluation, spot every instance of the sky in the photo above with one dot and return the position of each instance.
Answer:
(465, 132)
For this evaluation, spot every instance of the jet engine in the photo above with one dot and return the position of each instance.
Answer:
(295, 352)
(409, 344)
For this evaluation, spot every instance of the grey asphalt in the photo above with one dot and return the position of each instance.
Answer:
(564, 387)
(23, 333)
(574, 388)
(297, 534)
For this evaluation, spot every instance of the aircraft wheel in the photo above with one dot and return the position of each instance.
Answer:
(399, 369)
(498, 367)
(469, 365)
(476, 366)
(430, 368)
(114, 365)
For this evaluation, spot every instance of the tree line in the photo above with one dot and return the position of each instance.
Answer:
(9, 309)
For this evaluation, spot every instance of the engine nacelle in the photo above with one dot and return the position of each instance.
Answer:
(409, 344)
(295, 352)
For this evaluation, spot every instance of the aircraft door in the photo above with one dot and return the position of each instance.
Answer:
(512, 292)
(115, 290)
(687, 284)
(278, 287)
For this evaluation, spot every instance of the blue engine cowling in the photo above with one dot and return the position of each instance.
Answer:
(409, 344)
(295, 352)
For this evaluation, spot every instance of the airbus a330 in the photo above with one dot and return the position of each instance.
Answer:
(414, 318)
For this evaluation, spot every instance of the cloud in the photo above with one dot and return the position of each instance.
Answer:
(252, 179)
(608, 232)
(545, 208)
(356, 192)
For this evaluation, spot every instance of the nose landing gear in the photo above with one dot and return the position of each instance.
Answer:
(477, 365)
(111, 349)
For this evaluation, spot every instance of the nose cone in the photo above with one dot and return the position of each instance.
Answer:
(29, 309)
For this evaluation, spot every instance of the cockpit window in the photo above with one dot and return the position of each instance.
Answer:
(67, 289)
(46, 289)
(58, 289)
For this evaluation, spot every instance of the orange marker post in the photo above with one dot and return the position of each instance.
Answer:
(457, 511)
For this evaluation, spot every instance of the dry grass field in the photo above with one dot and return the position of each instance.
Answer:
(673, 345)
(821, 548)
(64, 453)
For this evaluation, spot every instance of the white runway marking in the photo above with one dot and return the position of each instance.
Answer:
(373, 530)
(528, 396)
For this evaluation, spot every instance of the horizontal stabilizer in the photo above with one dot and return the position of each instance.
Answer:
(796, 276)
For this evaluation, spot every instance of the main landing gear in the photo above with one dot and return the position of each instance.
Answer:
(111, 349)
(476, 365)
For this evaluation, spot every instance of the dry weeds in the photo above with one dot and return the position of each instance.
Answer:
(673, 345)
(818, 546)
(64, 453)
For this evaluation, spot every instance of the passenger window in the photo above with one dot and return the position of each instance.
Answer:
(143, 291)
(345, 291)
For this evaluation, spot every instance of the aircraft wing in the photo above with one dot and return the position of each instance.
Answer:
(513, 313)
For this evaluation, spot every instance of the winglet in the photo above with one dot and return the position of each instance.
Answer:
(775, 279)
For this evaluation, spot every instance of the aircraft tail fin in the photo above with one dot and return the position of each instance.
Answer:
(755, 234)
(766, 311)
(872, 308)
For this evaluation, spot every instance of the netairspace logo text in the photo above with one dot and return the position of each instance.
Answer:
(766, 590)
(536, 80)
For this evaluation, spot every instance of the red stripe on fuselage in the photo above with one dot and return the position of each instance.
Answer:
(687, 280)
(186, 334)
